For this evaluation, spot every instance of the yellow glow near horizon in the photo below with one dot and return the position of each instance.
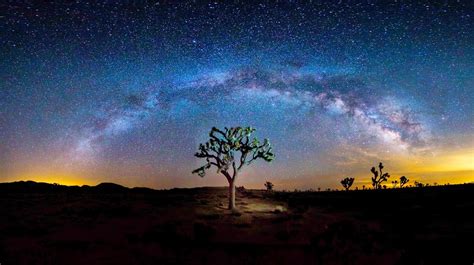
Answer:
(453, 161)
(59, 179)
(445, 166)
(461, 162)
(448, 167)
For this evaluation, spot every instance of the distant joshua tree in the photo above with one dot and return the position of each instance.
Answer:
(269, 186)
(240, 189)
(229, 150)
(419, 184)
(379, 177)
(347, 183)
(394, 183)
(403, 180)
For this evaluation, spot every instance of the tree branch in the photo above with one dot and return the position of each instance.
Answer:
(235, 170)
(227, 176)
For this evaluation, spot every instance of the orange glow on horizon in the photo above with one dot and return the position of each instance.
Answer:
(59, 179)
(448, 166)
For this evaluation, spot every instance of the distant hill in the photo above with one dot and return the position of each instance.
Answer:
(41, 187)
(105, 187)
(110, 187)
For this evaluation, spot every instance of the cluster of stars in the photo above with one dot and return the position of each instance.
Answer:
(126, 90)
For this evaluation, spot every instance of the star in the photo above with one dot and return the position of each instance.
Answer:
(109, 91)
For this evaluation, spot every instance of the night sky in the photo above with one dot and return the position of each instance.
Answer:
(124, 92)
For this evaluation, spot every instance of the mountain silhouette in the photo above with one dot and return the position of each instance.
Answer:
(41, 187)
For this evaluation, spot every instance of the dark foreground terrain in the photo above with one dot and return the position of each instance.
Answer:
(110, 224)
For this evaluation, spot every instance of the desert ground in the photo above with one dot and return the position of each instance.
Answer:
(110, 224)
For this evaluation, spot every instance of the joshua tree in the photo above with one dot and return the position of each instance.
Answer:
(379, 177)
(347, 183)
(394, 183)
(229, 150)
(269, 186)
(240, 189)
(403, 180)
(419, 184)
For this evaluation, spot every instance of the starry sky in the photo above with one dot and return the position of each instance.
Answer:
(124, 91)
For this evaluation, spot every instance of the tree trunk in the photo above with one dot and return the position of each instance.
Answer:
(231, 195)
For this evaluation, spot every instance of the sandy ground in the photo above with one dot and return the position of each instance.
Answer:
(194, 227)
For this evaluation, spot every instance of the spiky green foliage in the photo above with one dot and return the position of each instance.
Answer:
(230, 149)
(347, 183)
(403, 180)
(269, 186)
(379, 177)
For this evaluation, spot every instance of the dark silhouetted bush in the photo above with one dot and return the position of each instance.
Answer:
(403, 180)
(395, 183)
(419, 184)
(347, 183)
(269, 186)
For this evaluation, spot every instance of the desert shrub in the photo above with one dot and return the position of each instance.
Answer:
(269, 186)
(394, 183)
(419, 184)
